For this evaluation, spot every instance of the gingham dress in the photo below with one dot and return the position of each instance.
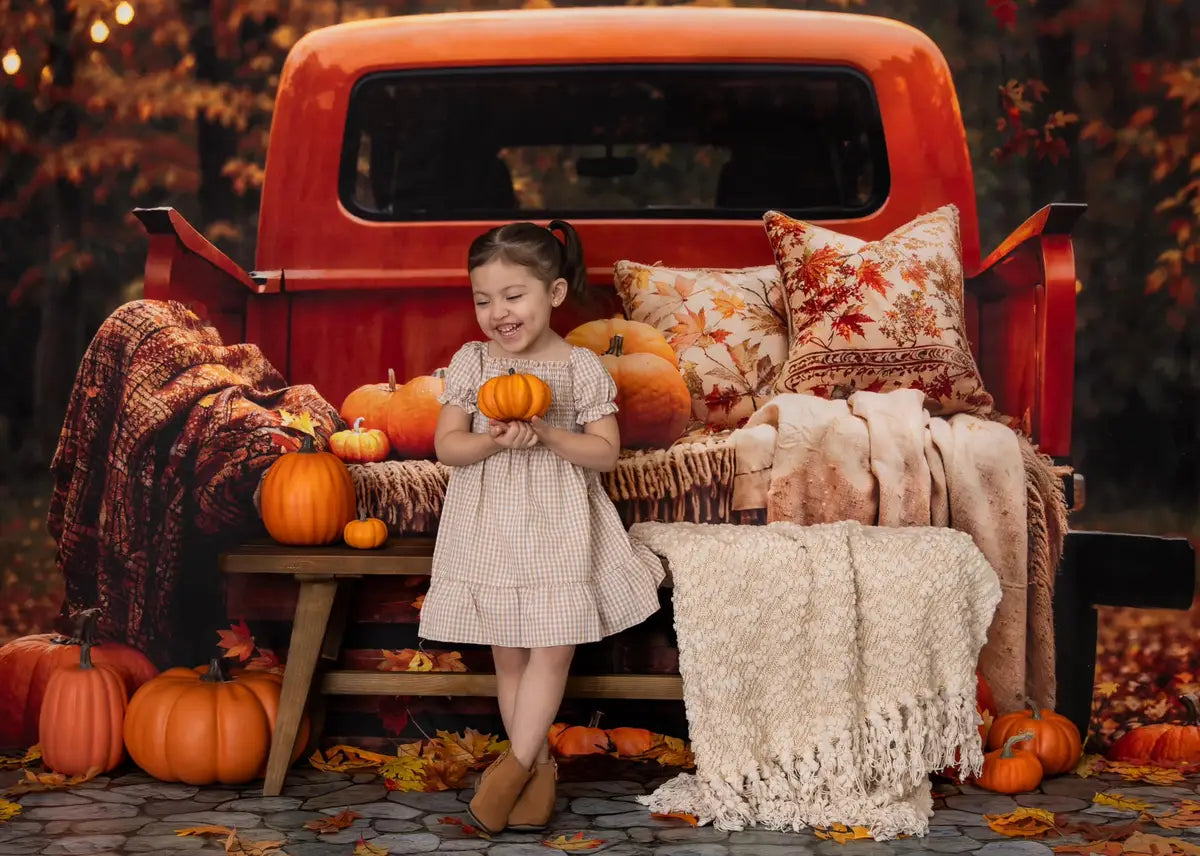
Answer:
(530, 551)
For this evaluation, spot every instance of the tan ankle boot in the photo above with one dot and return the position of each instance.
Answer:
(497, 792)
(535, 806)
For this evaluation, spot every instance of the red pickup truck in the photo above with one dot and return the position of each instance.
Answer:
(662, 134)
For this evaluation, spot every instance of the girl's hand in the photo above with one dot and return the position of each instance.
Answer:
(513, 435)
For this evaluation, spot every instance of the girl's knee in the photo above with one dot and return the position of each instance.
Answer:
(559, 655)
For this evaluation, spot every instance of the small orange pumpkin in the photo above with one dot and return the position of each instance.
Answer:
(514, 397)
(307, 496)
(365, 533)
(1163, 743)
(1055, 741)
(82, 720)
(630, 742)
(570, 740)
(638, 337)
(356, 446)
(201, 726)
(412, 415)
(1011, 770)
(369, 402)
(653, 402)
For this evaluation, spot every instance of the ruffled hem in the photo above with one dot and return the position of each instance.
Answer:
(539, 616)
(465, 400)
(594, 412)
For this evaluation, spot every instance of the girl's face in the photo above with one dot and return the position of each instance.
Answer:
(513, 306)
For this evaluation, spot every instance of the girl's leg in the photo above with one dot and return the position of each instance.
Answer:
(510, 666)
(538, 698)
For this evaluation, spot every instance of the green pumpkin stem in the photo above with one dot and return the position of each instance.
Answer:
(85, 654)
(1035, 711)
(306, 444)
(616, 346)
(216, 672)
(1006, 752)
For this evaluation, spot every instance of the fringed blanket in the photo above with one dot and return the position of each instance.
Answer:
(165, 436)
(827, 670)
(879, 458)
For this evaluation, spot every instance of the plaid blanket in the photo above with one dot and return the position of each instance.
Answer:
(166, 435)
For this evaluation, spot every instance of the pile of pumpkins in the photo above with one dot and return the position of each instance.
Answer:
(89, 704)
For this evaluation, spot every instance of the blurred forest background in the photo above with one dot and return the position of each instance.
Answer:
(108, 105)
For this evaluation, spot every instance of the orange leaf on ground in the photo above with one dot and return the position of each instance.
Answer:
(1183, 815)
(574, 843)
(234, 846)
(1089, 765)
(237, 641)
(841, 833)
(366, 848)
(342, 758)
(204, 830)
(333, 823)
(1120, 802)
(449, 661)
(676, 815)
(404, 773)
(8, 810)
(1022, 823)
(38, 782)
(1144, 773)
(1144, 844)
(467, 828)
(15, 762)
(1089, 848)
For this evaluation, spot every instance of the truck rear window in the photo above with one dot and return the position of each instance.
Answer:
(622, 141)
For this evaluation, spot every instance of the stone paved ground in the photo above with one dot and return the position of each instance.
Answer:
(133, 814)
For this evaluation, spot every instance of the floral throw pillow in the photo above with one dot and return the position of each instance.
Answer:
(728, 327)
(878, 315)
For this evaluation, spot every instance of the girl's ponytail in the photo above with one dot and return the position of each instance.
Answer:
(573, 270)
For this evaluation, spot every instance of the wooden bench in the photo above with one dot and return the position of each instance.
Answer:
(319, 622)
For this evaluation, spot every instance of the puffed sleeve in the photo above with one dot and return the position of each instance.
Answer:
(595, 390)
(462, 378)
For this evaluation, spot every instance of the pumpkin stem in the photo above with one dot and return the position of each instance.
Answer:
(306, 444)
(85, 654)
(357, 428)
(616, 346)
(1034, 710)
(1191, 703)
(595, 720)
(216, 672)
(391, 380)
(439, 372)
(1006, 752)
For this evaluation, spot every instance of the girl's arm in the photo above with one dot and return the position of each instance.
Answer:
(596, 448)
(454, 442)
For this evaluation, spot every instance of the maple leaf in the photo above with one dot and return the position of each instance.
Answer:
(1144, 773)
(449, 661)
(1022, 822)
(342, 758)
(443, 774)
(1089, 765)
(38, 782)
(333, 823)
(1107, 688)
(266, 661)
(236, 847)
(574, 843)
(872, 275)
(850, 322)
(418, 602)
(671, 752)
(727, 304)
(1120, 802)
(841, 833)
(467, 828)
(1183, 815)
(211, 829)
(14, 762)
(298, 421)
(404, 773)
(1144, 844)
(237, 641)
(1096, 832)
(8, 810)
(366, 848)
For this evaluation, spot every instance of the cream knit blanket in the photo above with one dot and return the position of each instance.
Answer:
(827, 669)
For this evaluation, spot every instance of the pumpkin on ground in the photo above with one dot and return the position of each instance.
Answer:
(369, 403)
(202, 726)
(514, 397)
(1164, 744)
(356, 446)
(307, 496)
(1011, 769)
(653, 403)
(365, 533)
(412, 415)
(27, 664)
(1056, 740)
(572, 740)
(82, 723)
(638, 337)
(630, 742)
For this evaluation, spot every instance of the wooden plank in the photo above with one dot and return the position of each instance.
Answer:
(411, 556)
(666, 687)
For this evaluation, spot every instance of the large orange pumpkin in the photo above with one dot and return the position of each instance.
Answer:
(27, 664)
(571, 740)
(81, 725)
(653, 403)
(1166, 744)
(1011, 769)
(412, 415)
(201, 726)
(637, 336)
(1056, 740)
(307, 496)
(369, 403)
(514, 397)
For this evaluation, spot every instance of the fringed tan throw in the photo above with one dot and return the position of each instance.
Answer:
(879, 458)
(827, 670)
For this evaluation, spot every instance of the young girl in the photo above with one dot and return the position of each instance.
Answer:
(531, 557)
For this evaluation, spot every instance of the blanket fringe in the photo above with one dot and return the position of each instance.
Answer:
(877, 777)
(406, 495)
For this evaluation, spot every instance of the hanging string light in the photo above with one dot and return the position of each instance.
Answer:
(99, 31)
(11, 61)
(123, 14)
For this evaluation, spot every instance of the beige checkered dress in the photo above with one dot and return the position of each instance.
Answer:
(530, 550)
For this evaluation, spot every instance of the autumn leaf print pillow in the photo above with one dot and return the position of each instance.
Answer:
(728, 327)
(878, 315)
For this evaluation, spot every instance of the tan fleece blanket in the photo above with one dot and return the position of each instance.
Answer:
(880, 459)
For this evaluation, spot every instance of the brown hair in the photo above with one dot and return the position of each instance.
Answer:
(537, 248)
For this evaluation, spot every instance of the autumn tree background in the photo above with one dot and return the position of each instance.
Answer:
(108, 105)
